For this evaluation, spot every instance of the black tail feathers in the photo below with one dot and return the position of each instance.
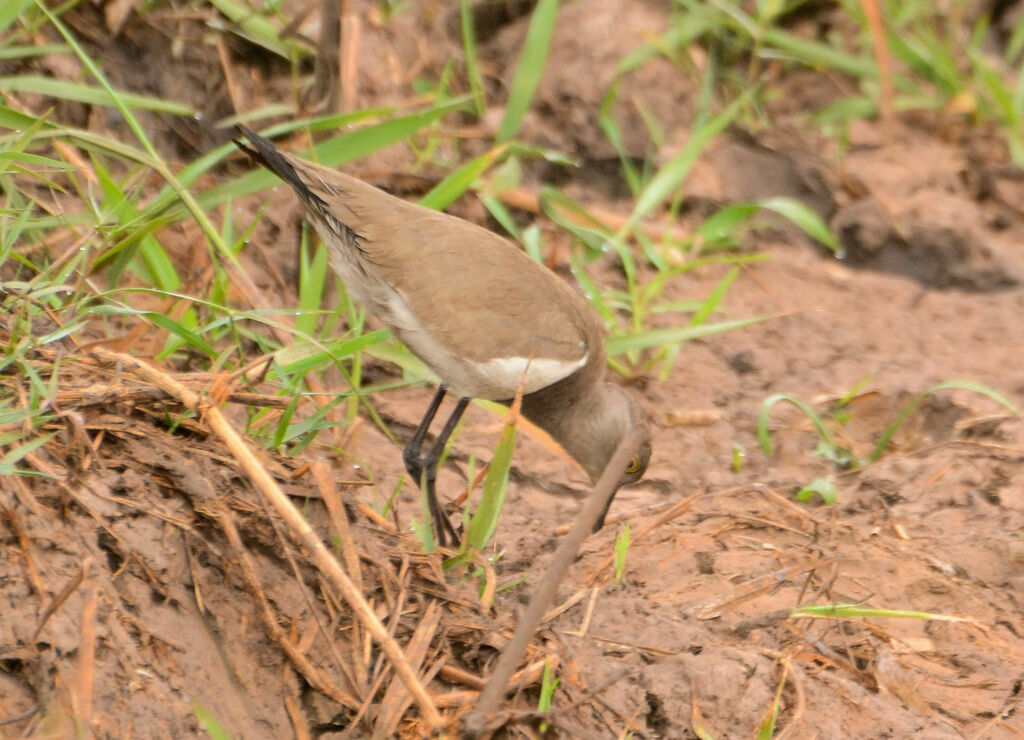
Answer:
(264, 152)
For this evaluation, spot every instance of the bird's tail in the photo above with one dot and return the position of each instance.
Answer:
(263, 152)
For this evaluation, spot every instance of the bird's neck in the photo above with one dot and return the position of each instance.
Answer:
(586, 421)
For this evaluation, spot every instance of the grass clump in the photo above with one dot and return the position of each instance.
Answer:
(843, 455)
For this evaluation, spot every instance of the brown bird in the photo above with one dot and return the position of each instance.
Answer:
(476, 310)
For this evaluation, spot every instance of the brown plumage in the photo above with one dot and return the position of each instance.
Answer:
(477, 310)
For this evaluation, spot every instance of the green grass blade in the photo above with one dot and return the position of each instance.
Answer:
(361, 142)
(307, 354)
(179, 330)
(558, 207)
(209, 723)
(10, 10)
(716, 297)
(492, 497)
(312, 424)
(767, 729)
(674, 335)
(285, 421)
(613, 132)
(621, 550)
(1015, 45)
(911, 406)
(424, 527)
(924, 54)
(529, 68)
(803, 217)
(92, 95)
(476, 82)
(847, 611)
(724, 225)
(818, 55)
(504, 217)
(15, 119)
(452, 187)
(312, 281)
(10, 460)
(548, 684)
(533, 242)
(334, 152)
(763, 416)
(591, 290)
(824, 488)
(702, 314)
(36, 160)
(99, 143)
(25, 52)
(669, 177)
(117, 206)
(200, 216)
(258, 29)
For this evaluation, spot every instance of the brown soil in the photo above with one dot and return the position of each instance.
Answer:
(121, 585)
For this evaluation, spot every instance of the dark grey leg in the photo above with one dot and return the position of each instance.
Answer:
(411, 452)
(423, 467)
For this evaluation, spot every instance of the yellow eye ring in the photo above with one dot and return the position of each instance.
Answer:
(634, 465)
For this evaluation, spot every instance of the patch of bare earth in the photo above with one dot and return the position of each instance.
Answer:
(143, 574)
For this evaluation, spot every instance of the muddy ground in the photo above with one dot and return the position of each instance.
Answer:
(696, 636)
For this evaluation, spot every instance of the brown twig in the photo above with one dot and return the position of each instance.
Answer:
(299, 527)
(880, 45)
(321, 471)
(396, 697)
(677, 510)
(27, 550)
(101, 394)
(480, 719)
(323, 94)
(620, 644)
(60, 598)
(458, 675)
(86, 659)
(589, 612)
(296, 657)
(348, 63)
(234, 94)
(566, 605)
(796, 681)
(378, 672)
(712, 608)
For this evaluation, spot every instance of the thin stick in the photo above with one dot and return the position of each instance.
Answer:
(300, 663)
(298, 526)
(880, 45)
(64, 595)
(479, 720)
(348, 61)
(86, 660)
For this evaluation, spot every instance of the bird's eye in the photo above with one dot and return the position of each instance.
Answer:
(634, 465)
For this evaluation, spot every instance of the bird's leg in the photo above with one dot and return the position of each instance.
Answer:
(416, 462)
(423, 467)
(411, 452)
(442, 525)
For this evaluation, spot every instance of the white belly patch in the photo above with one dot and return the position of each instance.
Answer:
(504, 374)
(496, 379)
